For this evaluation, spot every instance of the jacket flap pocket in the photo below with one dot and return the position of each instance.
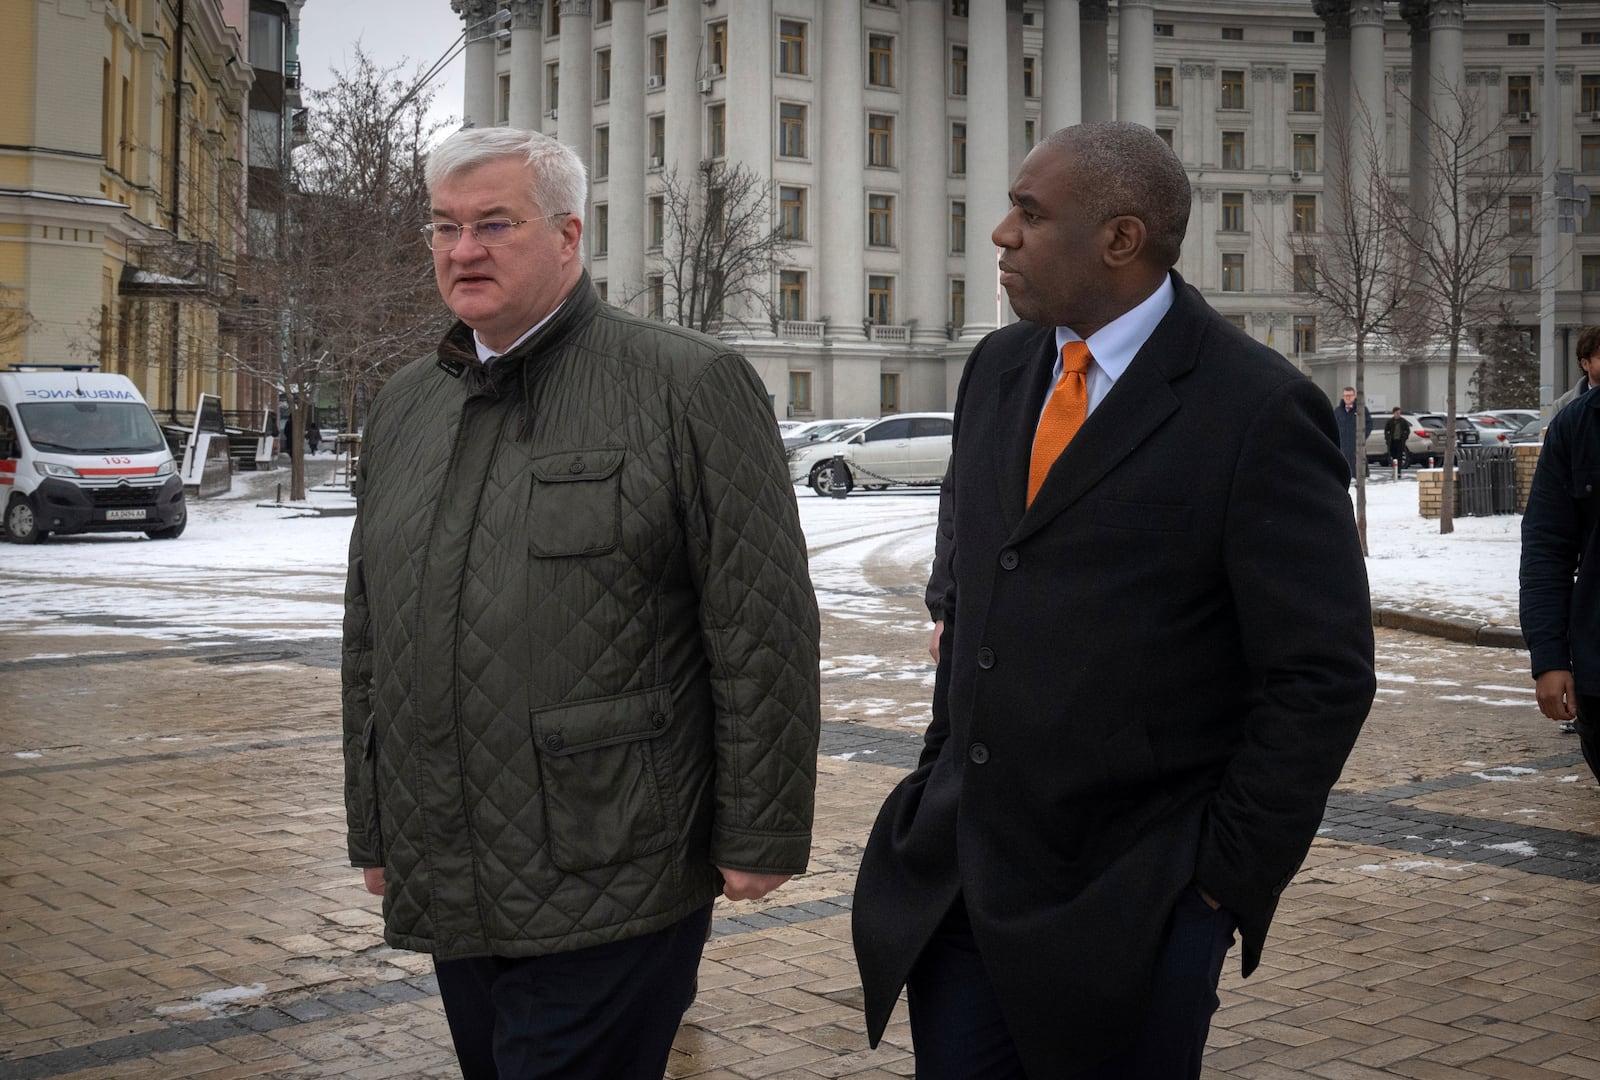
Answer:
(594, 464)
(562, 730)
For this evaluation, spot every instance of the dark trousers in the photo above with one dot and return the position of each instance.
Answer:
(1397, 452)
(959, 1034)
(1589, 730)
(608, 1012)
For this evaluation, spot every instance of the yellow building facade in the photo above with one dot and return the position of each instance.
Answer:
(122, 190)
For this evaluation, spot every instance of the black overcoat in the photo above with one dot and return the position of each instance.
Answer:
(1150, 677)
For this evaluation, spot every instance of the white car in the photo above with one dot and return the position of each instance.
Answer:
(818, 430)
(906, 448)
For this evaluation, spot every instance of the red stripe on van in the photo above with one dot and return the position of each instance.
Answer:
(148, 470)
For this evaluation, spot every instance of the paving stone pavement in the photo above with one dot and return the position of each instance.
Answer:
(174, 900)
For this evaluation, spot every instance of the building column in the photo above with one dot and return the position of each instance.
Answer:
(1016, 136)
(527, 63)
(988, 158)
(477, 15)
(625, 191)
(1093, 50)
(748, 89)
(1415, 13)
(575, 110)
(1136, 61)
(683, 97)
(922, 169)
(1063, 61)
(836, 141)
(1336, 75)
(1367, 121)
(1447, 69)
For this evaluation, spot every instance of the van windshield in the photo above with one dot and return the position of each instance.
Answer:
(91, 427)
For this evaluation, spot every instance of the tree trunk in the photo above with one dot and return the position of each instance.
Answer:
(1447, 500)
(1361, 439)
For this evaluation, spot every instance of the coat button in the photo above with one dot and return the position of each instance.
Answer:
(986, 658)
(978, 753)
(554, 742)
(576, 467)
(1009, 559)
(659, 720)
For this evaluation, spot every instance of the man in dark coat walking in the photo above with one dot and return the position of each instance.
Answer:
(1151, 671)
(1351, 445)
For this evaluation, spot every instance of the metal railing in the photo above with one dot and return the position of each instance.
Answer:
(1486, 480)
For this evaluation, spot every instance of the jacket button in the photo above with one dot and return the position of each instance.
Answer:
(986, 658)
(978, 753)
(554, 742)
(575, 468)
(659, 720)
(1009, 559)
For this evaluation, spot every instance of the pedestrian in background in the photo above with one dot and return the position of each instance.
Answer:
(581, 691)
(1154, 660)
(1560, 572)
(313, 433)
(1588, 350)
(1352, 445)
(1396, 430)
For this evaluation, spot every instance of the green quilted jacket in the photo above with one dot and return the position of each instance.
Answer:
(580, 640)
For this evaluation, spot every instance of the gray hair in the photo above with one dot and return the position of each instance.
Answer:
(559, 182)
(1121, 169)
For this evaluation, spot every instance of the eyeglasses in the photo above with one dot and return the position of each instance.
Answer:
(490, 232)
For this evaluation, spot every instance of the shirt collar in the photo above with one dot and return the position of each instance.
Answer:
(1116, 343)
(487, 355)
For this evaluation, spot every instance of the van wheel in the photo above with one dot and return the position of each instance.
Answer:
(22, 524)
(822, 478)
(171, 533)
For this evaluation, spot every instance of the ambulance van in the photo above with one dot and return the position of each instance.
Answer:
(80, 452)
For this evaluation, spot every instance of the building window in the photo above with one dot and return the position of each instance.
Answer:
(1233, 211)
(717, 129)
(657, 134)
(602, 75)
(1588, 154)
(1519, 214)
(1520, 273)
(958, 8)
(1163, 86)
(958, 302)
(1305, 152)
(658, 61)
(792, 212)
(1303, 214)
(602, 152)
(799, 381)
(1232, 89)
(880, 60)
(1233, 272)
(1519, 154)
(1304, 95)
(1589, 37)
(1591, 221)
(1165, 135)
(1233, 33)
(1232, 150)
(880, 140)
(600, 233)
(552, 87)
(958, 71)
(880, 299)
(1162, 29)
(657, 221)
(1591, 273)
(602, 290)
(792, 308)
(656, 293)
(1305, 37)
(880, 220)
(602, 12)
(1589, 94)
(791, 47)
(657, 5)
(1519, 93)
(553, 24)
(503, 106)
(889, 392)
(958, 227)
(1030, 134)
(791, 130)
(1519, 39)
(718, 46)
(1030, 82)
(1305, 334)
(958, 149)
(1305, 273)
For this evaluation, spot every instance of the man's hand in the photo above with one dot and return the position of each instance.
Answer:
(933, 642)
(1555, 692)
(742, 885)
(372, 878)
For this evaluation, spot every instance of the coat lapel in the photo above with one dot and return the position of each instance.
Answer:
(1019, 394)
(1139, 403)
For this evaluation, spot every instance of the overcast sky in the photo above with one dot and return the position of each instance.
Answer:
(414, 33)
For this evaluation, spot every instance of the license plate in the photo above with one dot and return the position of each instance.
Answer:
(137, 514)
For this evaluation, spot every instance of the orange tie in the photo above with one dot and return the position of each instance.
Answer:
(1063, 414)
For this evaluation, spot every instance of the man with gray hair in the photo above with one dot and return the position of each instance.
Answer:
(580, 643)
(1157, 652)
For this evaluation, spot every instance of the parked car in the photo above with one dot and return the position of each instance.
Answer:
(906, 448)
(1492, 427)
(805, 456)
(1516, 417)
(1418, 443)
(1531, 431)
(788, 427)
(817, 430)
(1466, 434)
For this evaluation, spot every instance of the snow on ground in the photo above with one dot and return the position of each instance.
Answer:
(244, 569)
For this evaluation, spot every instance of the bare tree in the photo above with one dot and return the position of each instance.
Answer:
(722, 247)
(1456, 244)
(1348, 267)
(341, 279)
(16, 322)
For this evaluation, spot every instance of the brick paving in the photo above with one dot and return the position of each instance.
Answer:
(174, 900)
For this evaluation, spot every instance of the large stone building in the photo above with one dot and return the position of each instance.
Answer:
(888, 131)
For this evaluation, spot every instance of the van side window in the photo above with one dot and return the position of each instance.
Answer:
(8, 433)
